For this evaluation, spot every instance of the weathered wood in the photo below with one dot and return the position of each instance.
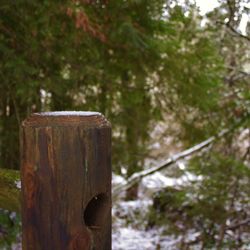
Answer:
(66, 181)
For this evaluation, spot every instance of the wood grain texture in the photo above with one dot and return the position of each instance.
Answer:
(66, 182)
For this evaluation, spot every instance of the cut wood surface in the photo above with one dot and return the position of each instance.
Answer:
(66, 181)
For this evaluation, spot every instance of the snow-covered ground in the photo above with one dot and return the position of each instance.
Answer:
(129, 238)
(130, 218)
(129, 228)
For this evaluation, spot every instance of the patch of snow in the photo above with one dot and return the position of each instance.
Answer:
(157, 181)
(117, 179)
(123, 170)
(181, 165)
(12, 215)
(156, 145)
(192, 236)
(206, 6)
(136, 204)
(70, 113)
(191, 177)
(133, 212)
(18, 184)
(131, 209)
(129, 238)
(243, 23)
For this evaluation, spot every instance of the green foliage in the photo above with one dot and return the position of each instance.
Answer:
(208, 204)
(46, 50)
(9, 193)
(93, 56)
(10, 227)
(167, 208)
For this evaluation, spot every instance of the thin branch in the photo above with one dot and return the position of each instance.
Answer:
(237, 32)
(198, 238)
(232, 29)
(171, 160)
(237, 225)
(136, 177)
(232, 10)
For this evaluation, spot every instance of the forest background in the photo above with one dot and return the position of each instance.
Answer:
(141, 63)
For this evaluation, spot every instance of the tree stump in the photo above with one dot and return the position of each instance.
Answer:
(66, 181)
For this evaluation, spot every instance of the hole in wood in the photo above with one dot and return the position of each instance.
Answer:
(95, 211)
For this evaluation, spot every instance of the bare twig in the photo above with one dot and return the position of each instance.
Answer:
(232, 9)
(237, 32)
(237, 225)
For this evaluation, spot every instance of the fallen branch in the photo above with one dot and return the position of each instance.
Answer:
(136, 177)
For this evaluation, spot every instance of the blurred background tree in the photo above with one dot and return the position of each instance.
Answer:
(120, 58)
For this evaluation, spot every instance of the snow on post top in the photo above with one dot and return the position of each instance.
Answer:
(70, 113)
(67, 118)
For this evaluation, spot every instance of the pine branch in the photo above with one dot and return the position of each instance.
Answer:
(136, 177)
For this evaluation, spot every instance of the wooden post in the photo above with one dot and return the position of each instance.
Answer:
(66, 181)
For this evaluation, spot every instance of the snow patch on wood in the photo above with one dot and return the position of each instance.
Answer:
(70, 113)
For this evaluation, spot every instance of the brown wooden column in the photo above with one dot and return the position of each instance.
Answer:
(66, 181)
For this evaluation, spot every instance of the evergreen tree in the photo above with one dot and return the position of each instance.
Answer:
(215, 205)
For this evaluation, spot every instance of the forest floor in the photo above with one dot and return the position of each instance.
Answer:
(130, 219)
